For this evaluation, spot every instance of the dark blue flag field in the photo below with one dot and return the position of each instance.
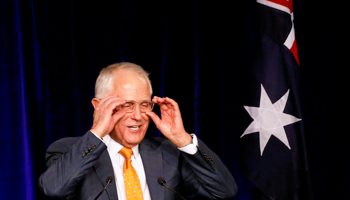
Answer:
(273, 148)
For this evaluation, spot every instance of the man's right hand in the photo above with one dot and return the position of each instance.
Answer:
(106, 115)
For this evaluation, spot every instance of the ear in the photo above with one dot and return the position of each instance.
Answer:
(95, 102)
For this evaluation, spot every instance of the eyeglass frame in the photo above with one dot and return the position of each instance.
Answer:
(134, 106)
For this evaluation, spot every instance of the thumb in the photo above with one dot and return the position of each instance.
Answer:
(118, 115)
(154, 117)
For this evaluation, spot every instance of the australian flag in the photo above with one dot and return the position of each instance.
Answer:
(273, 148)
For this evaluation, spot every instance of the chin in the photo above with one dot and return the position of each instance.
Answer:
(135, 138)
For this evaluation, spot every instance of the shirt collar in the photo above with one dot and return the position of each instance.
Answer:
(114, 147)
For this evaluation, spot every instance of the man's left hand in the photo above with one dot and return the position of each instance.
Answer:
(171, 125)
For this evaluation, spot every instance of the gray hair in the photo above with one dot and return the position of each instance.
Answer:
(104, 82)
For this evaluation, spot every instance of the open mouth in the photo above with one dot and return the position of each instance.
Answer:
(134, 128)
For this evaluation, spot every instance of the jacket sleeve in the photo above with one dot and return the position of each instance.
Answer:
(68, 160)
(215, 180)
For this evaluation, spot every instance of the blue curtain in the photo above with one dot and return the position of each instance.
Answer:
(197, 53)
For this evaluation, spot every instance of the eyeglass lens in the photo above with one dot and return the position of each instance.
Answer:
(130, 106)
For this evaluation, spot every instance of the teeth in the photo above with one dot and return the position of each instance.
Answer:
(134, 127)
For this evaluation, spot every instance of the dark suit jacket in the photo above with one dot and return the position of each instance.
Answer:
(78, 168)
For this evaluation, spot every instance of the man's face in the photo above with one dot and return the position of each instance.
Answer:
(131, 129)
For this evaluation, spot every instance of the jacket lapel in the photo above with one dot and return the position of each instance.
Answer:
(152, 163)
(104, 169)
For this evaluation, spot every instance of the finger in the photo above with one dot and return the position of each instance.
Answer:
(109, 99)
(171, 101)
(168, 103)
(106, 99)
(111, 103)
(160, 100)
(156, 99)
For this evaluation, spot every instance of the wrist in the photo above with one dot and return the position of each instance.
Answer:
(96, 135)
(97, 132)
(192, 147)
(186, 141)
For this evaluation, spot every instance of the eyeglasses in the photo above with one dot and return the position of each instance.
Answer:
(129, 106)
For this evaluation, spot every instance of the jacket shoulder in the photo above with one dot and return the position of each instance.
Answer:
(63, 144)
(58, 148)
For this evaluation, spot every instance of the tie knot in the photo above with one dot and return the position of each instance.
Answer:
(126, 153)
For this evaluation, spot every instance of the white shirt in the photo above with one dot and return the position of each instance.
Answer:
(117, 159)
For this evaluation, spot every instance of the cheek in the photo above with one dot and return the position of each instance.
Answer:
(146, 120)
(120, 125)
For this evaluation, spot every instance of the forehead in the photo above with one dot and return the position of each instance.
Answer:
(130, 86)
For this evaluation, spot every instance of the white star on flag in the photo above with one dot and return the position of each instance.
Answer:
(269, 119)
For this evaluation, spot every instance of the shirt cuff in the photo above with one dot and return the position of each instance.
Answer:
(192, 147)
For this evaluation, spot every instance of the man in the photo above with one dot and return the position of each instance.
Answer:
(78, 168)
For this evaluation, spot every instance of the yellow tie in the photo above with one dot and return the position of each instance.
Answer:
(131, 180)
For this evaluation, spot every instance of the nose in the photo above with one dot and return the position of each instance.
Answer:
(136, 114)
